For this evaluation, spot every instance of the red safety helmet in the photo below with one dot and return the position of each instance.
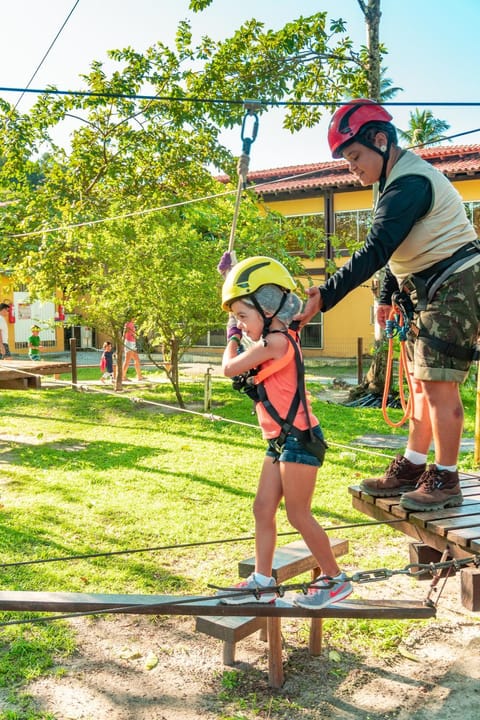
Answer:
(349, 119)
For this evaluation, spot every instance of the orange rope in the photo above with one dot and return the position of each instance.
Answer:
(396, 316)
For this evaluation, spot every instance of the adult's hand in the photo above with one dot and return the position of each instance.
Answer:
(313, 305)
(383, 313)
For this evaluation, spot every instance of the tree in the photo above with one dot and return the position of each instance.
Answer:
(86, 224)
(424, 129)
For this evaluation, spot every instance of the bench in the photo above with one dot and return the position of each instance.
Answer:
(289, 561)
(454, 532)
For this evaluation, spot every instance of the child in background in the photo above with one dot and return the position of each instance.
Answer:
(34, 345)
(106, 362)
(258, 294)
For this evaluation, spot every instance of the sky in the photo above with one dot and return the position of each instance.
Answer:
(431, 54)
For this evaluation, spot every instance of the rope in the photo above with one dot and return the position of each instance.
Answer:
(203, 543)
(83, 387)
(397, 325)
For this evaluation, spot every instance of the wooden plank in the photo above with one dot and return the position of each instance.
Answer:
(64, 602)
(475, 546)
(417, 532)
(445, 525)
(292, 559)
(230, 629)
(465, 536)
(470, 506)
(18, 368)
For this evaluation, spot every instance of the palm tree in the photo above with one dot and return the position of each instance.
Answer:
(424, 129)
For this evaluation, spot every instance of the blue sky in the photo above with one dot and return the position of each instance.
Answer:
(432, 48)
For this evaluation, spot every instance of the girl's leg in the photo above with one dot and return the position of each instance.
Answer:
(267, 500)
(298, 482)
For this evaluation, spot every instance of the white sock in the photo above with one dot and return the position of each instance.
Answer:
(451, 468)
(415, 457)
(262, 579)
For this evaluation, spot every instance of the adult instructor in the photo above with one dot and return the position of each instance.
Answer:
(421, 234)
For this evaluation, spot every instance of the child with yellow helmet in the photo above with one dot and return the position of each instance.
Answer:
(258, 293)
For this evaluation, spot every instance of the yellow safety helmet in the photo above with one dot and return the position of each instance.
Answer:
(248, 275)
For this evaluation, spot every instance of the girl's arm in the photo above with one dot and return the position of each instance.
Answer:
(235, 363)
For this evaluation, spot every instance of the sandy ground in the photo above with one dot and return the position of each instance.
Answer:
(139, 668)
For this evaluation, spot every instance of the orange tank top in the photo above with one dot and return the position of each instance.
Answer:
(281, 387)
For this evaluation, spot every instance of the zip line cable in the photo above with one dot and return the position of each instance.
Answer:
(229, 101)
(26, 89)
(147, 211)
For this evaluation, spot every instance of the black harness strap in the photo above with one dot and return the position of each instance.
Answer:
(286, 424)
(426, 283)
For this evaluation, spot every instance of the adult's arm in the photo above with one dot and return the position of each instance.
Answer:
(402, 204)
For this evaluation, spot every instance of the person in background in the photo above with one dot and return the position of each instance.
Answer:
(258, 294)
(421, 233)
(34, 343)
(131, 352)
(106, 362)
(4, 349)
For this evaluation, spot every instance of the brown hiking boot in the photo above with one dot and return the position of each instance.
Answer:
(437, 489)
(400, 476)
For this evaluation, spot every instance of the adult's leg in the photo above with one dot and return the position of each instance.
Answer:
(265, 505)
(298, 482)
(446, 415)
(420, 426)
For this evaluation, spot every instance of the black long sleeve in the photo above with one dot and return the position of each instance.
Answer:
(402, 204)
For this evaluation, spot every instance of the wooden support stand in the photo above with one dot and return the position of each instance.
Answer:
(424, 554)
(289, 561)
(470, 588)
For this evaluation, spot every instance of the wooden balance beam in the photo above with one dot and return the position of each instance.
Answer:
(64, 602)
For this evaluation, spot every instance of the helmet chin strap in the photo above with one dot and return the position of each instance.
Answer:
(384, 152)
(267, 321)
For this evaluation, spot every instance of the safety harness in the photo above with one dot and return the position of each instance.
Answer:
(401, 321)
(256, 390)
(425, 284)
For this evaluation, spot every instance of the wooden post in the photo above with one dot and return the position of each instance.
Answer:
(316, 627)
(207, 392)
(359, 361)
(275, 661)
(73, 360)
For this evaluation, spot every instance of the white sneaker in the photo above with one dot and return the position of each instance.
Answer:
(244, 597)
(320, 595)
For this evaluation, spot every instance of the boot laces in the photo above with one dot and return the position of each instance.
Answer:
(431, 479)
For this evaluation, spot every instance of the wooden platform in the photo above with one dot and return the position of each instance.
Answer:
(458, 527)
(455, 530)
(24, 374)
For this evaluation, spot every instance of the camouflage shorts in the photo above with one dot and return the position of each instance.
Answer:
(453, 315)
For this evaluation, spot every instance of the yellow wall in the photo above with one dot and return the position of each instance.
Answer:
(351, 318)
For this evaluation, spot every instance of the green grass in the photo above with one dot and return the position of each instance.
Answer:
(88, 472)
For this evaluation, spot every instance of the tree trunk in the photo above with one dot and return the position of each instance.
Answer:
(372, 14)
(171, 359)
(119, 346)
(376, 375)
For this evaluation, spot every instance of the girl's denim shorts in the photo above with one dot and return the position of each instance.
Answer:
(294, 452)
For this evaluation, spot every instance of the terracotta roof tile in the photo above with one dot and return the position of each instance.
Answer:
(452, 160)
